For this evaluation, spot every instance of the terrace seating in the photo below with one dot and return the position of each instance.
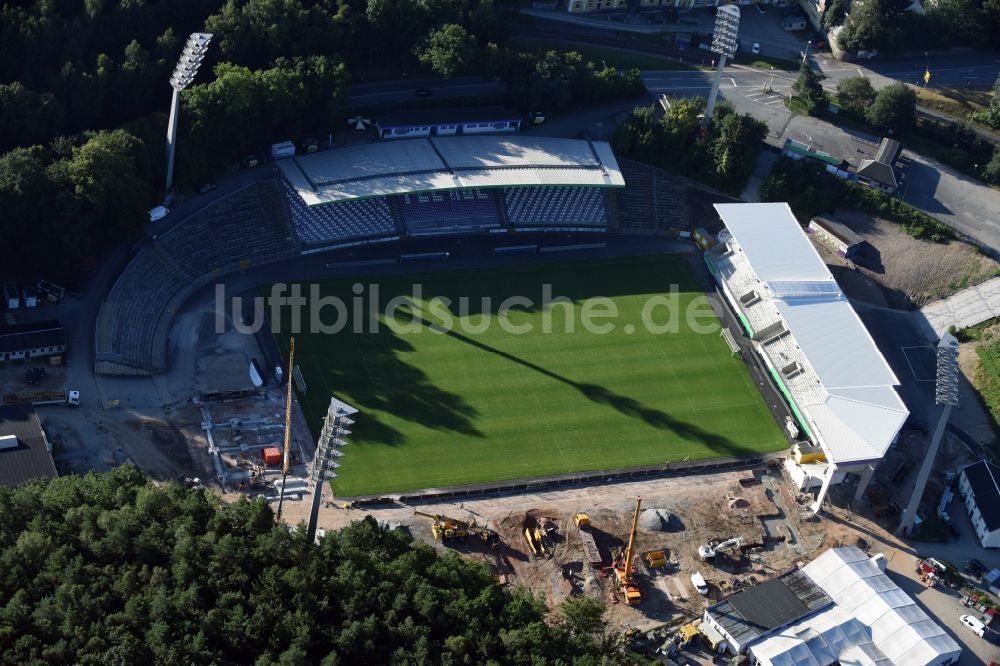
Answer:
(556, 206)
(458, 208)
(247, 228)
(653, 201)
(355, 219)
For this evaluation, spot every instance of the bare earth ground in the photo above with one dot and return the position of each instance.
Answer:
(911, 272)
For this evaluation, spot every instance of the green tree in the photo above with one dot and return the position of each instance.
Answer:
(875, 25)
(856, 94)
(833, 14)
(991, 172)
(584, 615)
(450, 50)
(808, 89)
(991, 114)
(894, 108)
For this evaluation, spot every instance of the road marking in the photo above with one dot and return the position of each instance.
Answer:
(909, 363)
(734, 82)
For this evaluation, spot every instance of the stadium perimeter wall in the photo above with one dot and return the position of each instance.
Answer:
(515, 486)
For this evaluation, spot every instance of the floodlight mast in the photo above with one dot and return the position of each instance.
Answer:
(945, 394)
(335, 428)
(187, 67)
(727, 25)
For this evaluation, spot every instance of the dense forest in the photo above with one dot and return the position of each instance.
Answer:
(112, 569)
(84, 97)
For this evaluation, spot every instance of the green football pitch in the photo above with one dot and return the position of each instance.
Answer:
(448, 396)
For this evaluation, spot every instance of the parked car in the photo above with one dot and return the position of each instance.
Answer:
(975, 568)
(755, 48)
(974, 624)
(158, 213)
(953, 528)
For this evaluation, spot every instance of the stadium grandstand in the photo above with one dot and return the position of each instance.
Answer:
(383, 191)
(377, 193)
(838, 386)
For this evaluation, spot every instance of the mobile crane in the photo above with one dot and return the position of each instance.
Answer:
(623, 567)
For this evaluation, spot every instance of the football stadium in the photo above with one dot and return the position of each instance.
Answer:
(451, 407)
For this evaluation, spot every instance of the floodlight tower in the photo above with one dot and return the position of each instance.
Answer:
(338, 419)
(945, 393)
(184, 73)
(727, 25)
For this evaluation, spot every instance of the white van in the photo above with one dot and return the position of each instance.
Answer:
(699, 583)
(974, 624)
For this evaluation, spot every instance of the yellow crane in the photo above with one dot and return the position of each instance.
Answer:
(288, 427)
(623, 568)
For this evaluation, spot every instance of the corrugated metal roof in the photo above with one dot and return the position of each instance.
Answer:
(442, 163)
(984, 480)
(858, 413)
(30, 459)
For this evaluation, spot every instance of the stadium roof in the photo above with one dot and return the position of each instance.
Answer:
(854, 407)
(448, 163)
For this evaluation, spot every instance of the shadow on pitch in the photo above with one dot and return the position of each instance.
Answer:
(598, 394)
(398, 388)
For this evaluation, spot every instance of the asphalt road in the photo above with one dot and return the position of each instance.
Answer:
(966, 204)
(971, 69)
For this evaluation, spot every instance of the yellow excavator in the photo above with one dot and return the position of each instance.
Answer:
(623, 567)
(447, 528)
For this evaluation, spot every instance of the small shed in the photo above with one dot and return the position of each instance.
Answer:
(839, 237)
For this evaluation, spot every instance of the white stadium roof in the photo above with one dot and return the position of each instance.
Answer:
(847, 393)
(447, 163)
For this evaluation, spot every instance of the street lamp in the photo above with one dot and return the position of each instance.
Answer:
(727, 25)
(187, 68)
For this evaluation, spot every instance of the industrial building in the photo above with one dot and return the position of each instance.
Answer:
(838, 387)
(35, 340)
(880, 173)
(840, 608)
(25, 452)
(979, 487)
(416, 123)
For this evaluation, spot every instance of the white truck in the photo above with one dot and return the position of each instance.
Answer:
(71, 398)
(699, 583)
(282, 150)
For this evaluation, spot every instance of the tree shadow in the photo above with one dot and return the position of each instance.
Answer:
(598, 394)
(394, 387)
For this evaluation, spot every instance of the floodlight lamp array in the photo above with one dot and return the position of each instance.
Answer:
(190, 60)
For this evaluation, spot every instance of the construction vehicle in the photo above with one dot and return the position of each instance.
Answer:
(711, 549)
(71, 398)
(623, 566)
(533, 537)
(451, 528)
(591, 555)
(656, 559)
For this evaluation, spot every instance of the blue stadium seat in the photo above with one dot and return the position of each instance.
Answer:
(556, 206)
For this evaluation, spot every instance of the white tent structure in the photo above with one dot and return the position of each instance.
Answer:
(873, 622)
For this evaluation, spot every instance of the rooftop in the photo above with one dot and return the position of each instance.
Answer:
(881, 169)
(984, 479)
(895, 628)
(30, 458)
(833, 369)
(408, 166)
(21, 337)
(750, 614)
(839, 230)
